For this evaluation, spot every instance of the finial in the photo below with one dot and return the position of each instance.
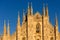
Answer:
(18, 15)
(23, 14)
(30, 9)
(46, 10)
(8, 24)
(56, 20)
(18, 18)
(43, 9)
(5, 27)
(4, 23)
(30, 5)
(8, 28)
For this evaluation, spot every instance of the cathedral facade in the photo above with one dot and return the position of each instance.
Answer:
(34, 27)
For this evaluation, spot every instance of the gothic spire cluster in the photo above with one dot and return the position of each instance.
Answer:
(30, 12)
(34, 28)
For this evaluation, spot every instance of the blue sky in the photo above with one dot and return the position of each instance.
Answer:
(9, 11)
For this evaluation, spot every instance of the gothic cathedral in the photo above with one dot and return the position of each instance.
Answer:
(34, 27)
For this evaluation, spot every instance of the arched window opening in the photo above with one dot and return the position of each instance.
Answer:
(38, 28)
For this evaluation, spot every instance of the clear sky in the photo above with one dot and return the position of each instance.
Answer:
(9, 11)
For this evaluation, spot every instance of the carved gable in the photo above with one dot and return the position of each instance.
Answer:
(37, 16)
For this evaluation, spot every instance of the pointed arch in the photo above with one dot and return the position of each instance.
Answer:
(38, 28)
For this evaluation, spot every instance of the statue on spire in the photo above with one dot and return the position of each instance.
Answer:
(46, 10)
